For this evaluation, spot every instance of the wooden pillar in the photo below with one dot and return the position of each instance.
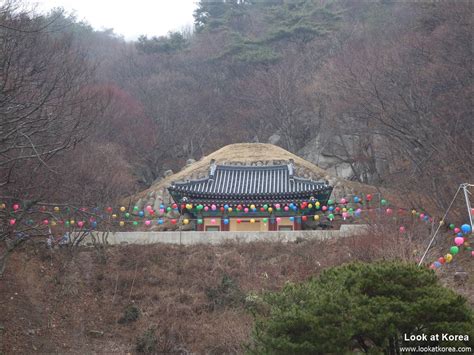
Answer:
(224, 227)
(200, 227)
(272, 224)
(297, 224)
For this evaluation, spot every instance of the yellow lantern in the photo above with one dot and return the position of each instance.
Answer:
(310, 205)
(252, 220)
(122, 209)
(185, 221)
(114, 216)
(448, 258)
(316, 217)
(441, 222)
(121, 223)
(229, 209)
(270, 209)
(413, 212)
(71, 222)
(317, 204)
(56, 209)
(53, 223)
(252, 207)
(344, 209)
(3, 206)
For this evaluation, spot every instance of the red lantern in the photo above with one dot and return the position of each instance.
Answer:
(442, 260)
(304, 218)
(174, 206)
(337, 209)
(173, 221)
(109, 209)
(368, 197)
(262, 209)
(239, 207)
(222, 209)
(238, 221)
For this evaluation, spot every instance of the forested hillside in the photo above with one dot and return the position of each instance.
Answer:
(381, 88)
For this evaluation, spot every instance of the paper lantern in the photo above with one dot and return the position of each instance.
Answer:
(185, 221)
(114, 216)
(135, 223)
(2, 206)
(122, 209)
(72, 222)
(213, 221)
(173, 221)
(53, 223)
(356, 199)
(448, 258)
(368, 197)
(343, 201)
(252, 220)
(270, 210)
(213, 207)
(466, 228)
(389, 211)
(199, 221)
(286, 208)
(80, 224)
(401, 229)
(278, 219)
(109, 209)
(316, 217)
(121, 223)
(265, 220)
(458, 241)
(239, 220)
(16, 207)
(229, 209)
(304, 218)
(12, 221)
(147, 222)
(56, 209)
(160, 221)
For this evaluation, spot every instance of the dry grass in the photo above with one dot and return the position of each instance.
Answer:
(52, 303)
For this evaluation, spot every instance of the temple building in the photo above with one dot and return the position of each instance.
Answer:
(250, 198)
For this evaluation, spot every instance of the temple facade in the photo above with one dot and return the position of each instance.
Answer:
(250, 198)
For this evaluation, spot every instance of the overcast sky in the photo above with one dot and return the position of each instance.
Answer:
(129, 18)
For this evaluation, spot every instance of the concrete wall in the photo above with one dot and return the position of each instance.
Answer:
(192, 237)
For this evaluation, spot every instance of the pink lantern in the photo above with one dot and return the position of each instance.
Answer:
(472, 253)
(287, 208)
(422, 215)
(12, 221)
(147, 222)
(277, 205)
(80, 224)
(213, 221)
(324, 208)
(402, 229)
(389, 211)
(278, 219)
(344, 215)
(16, 206)
(213, 207)
(46, 222)
(456, 230)
(343, 201)
(206, 208)
(458, 241)
(246, 210)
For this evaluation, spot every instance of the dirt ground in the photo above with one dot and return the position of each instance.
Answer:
(188, 299)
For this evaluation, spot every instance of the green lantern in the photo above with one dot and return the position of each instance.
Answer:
(199, 221)
(454, 250)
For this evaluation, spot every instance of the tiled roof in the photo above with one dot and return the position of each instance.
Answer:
(244, 181)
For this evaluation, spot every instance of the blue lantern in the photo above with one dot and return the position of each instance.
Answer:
(356, 199)
(292, 219)
(141, 213)
(160, 221)
(226, 221)
(466, 228)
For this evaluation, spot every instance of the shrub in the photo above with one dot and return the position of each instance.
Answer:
(148, 342)
(130, 314)
(365, 307)
(227, 294)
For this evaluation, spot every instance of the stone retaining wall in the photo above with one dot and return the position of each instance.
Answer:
(193, 237)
